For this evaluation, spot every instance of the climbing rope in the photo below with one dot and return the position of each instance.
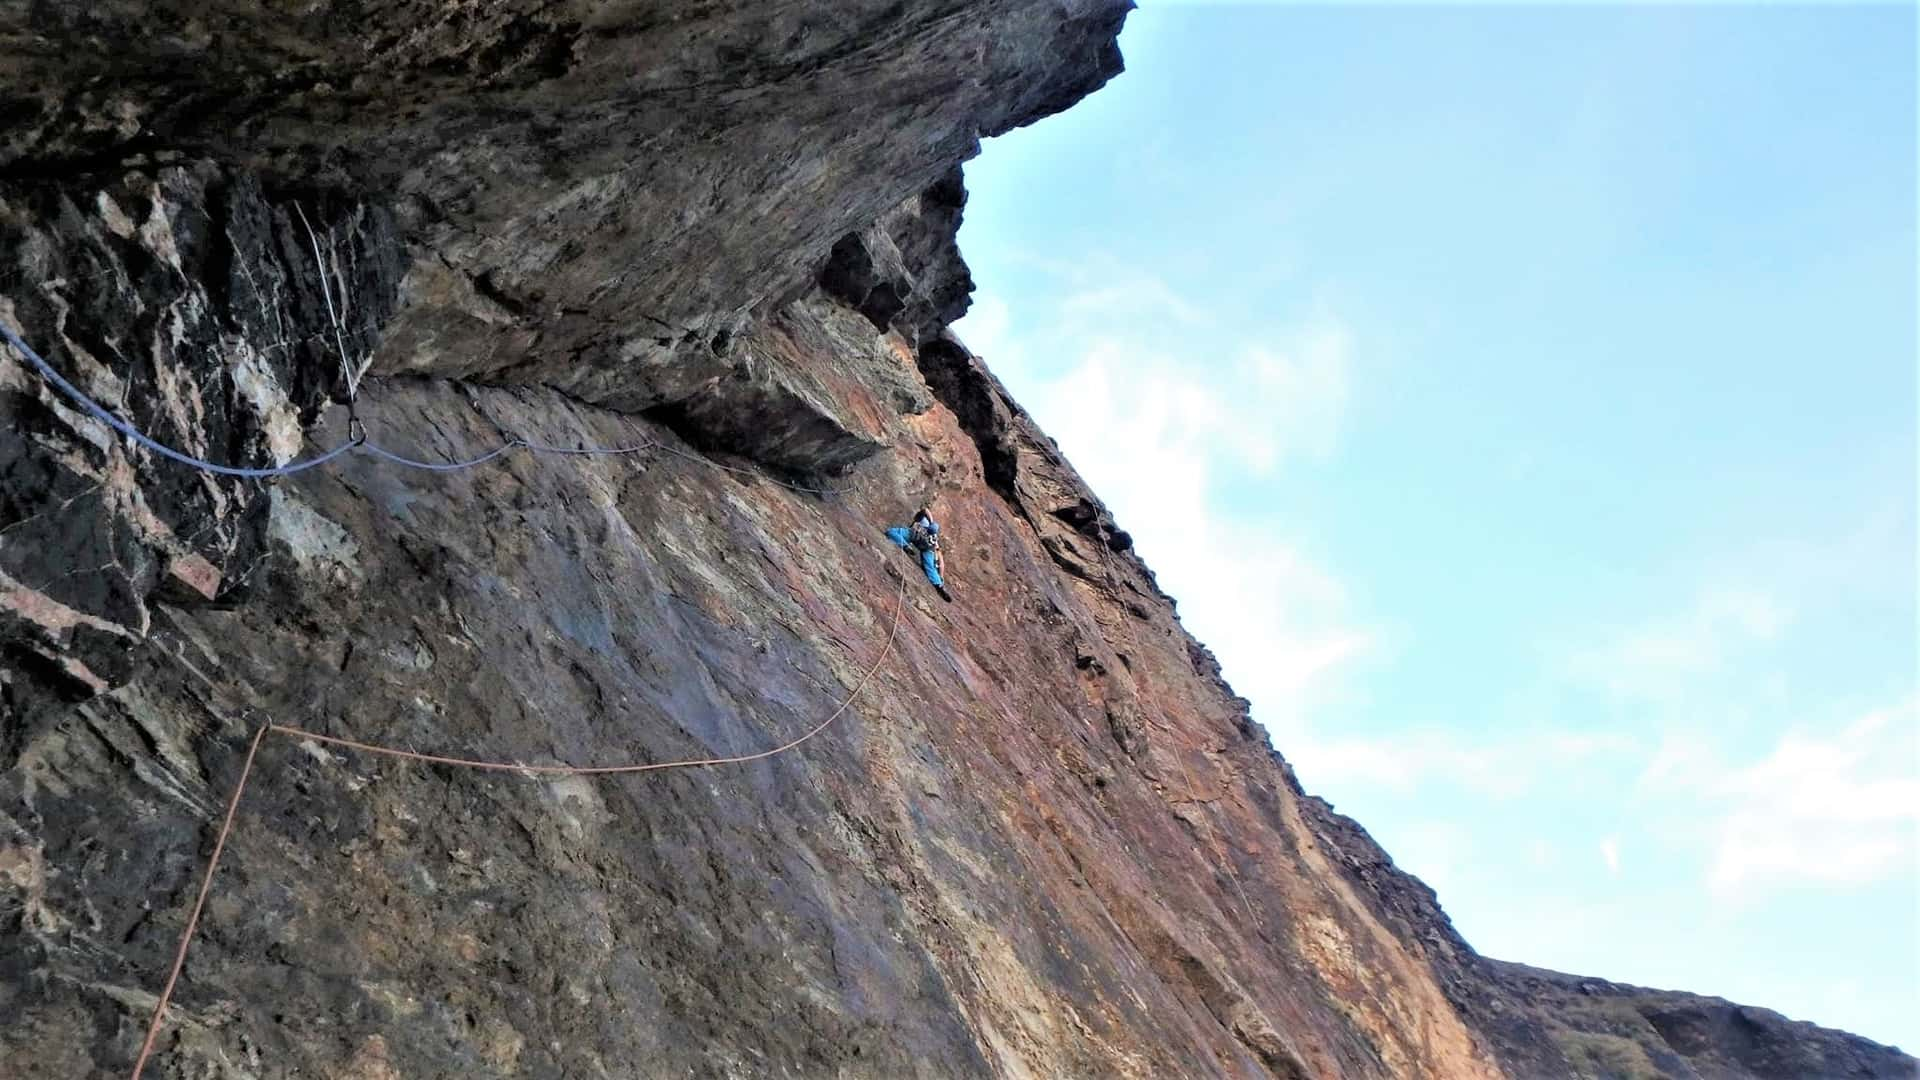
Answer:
(359, 441)
(442, 466)
(253, 748)
(100, 413)
(349, 371)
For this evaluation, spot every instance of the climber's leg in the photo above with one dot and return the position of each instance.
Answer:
(932, 568)
(899, 535)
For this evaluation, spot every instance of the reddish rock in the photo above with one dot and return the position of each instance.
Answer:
(196, 573)
(1045, 839)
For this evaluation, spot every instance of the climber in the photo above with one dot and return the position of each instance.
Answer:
(923, 536)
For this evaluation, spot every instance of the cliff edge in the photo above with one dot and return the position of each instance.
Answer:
(1041, 836)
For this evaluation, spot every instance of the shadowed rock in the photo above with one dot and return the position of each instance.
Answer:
(1045, 840)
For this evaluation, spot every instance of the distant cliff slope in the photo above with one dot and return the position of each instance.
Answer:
(1044, 839)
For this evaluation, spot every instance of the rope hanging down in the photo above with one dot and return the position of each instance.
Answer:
(100, 413)
(349, 371)
(358, 439)
(358, 442)
(253, 749)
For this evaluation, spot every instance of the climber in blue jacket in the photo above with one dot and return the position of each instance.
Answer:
(923, 536)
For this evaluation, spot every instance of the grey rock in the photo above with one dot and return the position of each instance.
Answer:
(1045, 838)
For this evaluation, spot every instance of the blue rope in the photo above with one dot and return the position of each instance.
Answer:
(541, 448)
(446, 466)
(100, 413)
(358, 441)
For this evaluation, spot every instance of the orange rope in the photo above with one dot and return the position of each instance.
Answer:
(233, 803)
(193, 919)
(606, 770)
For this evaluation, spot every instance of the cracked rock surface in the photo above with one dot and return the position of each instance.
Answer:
(1045, 839)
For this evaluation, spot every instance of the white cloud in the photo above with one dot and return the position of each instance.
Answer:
(1610, 854)
(1835, 808)
(1433, 851)
(1680, 753)
(1095, 303)
(1304, 386)
(1269, 401)
(1657, 659)
(1152, 444)
(1870, 555)
(1156, 404)
(1155, 413)
(1579, 745)
(1094, 288)
(1503, 769)
(986, 327)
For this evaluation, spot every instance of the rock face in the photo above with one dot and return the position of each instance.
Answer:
(1044, 840)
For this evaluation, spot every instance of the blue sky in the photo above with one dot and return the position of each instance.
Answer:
(1521, 403)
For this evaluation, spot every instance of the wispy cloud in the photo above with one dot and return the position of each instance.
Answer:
(1829, 808)
(1435, 851)
(1834, 809)
(1501, 767)
(1158, 406)
(1658, 658)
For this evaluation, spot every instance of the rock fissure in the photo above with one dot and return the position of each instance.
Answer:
(1047, 842)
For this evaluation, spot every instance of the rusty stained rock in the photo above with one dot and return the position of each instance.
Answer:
(1045, 840)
